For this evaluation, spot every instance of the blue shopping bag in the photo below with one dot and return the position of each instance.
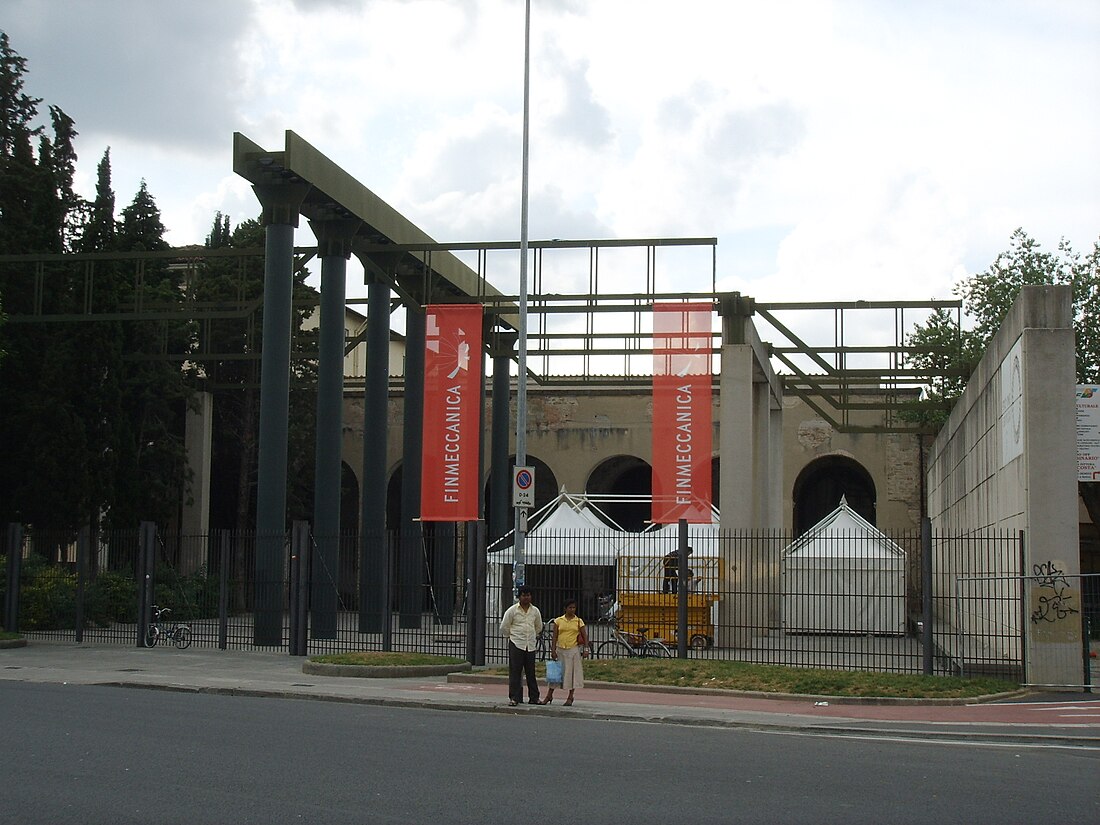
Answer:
(553, 672)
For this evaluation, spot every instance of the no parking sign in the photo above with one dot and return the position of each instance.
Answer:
(523, 487)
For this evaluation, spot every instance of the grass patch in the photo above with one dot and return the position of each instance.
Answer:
(707, 673)
(384, 659)
(6, 636)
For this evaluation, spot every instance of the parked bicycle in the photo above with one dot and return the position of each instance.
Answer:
(545, 642)
(624, 645)
(170, 632)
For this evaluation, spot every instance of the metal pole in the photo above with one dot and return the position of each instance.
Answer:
(926, 592)
(681, 590)
(223, 591)
(15, 560)
(83, 542)
(147, 561)
(519, 545)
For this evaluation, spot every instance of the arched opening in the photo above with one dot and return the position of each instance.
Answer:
(624, 475)
(546, 486)
(820, 486)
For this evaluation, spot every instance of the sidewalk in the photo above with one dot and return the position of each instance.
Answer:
(1054, 719)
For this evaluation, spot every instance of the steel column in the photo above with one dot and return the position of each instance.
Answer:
(373, 547)
(410, 575)
(334, 248)
(274, 426)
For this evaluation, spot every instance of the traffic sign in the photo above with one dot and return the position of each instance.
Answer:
(523, 487)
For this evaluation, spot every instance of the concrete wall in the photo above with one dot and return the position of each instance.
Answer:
(1006, 461)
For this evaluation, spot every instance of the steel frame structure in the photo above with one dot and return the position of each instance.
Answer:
(821, 372)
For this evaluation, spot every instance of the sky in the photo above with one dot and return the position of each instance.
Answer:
(837, 150)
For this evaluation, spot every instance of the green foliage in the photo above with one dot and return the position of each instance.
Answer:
(950, 353)
(189, 597)
(48, 597)
(238, 281)
(747, 676)
(111, 597)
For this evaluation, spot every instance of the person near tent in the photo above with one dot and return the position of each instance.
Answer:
(569, 645)
(521, 625)
(671, 566)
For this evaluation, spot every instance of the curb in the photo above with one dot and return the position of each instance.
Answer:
(382, 671)
(6, 644)
(757, 694)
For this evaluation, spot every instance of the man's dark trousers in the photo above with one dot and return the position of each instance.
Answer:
(520, 661)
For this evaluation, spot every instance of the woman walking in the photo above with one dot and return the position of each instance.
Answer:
(569, 645)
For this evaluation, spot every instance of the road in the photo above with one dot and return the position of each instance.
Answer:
(87, 754)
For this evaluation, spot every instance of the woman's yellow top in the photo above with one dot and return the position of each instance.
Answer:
(568, 631)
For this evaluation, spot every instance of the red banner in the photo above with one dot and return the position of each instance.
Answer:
(452, 413)
(682, 413)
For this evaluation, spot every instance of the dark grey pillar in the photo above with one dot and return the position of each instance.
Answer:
(334, 248)
(926, 592)
(280, 202)
(500, 471)
(410, 577)
(373, 547)
(14, 550)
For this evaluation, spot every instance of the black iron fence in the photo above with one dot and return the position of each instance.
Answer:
(848, 600)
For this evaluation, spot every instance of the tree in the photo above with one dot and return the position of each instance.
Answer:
(987, 296)
(153, 391)
(235, 381)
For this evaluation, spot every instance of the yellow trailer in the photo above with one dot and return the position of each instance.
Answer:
(657, 614)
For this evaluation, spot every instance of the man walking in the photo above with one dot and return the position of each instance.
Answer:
(521, 626)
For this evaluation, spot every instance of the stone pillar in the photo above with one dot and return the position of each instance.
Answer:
(333, 248)
(761, 453)
(281, 202)
(737, 616)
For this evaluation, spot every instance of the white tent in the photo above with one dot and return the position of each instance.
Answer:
(843, 576)
(567, 531)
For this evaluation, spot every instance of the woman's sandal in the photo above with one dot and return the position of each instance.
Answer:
(512, 703)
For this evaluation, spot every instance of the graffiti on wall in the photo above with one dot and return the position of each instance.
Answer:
(1053, 597)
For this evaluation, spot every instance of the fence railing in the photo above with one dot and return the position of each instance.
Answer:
(854, 601)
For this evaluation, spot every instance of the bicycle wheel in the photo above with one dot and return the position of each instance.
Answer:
(152, 635)
(656, 650)
(699, 642)
(183, 637)
(613, 649)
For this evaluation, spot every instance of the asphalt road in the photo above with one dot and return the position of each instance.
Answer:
(85, 754)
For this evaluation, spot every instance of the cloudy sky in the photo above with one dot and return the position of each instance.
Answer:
(837, 150)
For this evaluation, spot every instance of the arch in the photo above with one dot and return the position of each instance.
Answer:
(546, 485)
(819, 487)
(624, 475)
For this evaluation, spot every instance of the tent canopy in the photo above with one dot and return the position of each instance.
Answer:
(843, 534)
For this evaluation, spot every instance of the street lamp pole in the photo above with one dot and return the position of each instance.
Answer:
(520, 534)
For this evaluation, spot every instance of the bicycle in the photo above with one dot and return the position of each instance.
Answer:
(624, 645)
(160, 629)
(545, 641)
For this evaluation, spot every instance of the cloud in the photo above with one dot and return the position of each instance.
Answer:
(162, 73)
